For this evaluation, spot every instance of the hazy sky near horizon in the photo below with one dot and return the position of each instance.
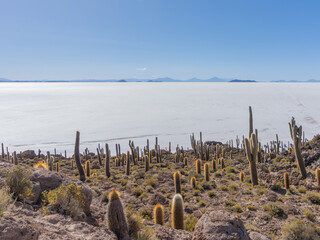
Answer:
(114, 39)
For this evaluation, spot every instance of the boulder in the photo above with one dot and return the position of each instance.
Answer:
(48, 180)
(255, 235)
(30, 154)
(217, 225)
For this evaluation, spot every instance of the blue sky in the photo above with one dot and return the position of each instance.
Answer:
(114, 39)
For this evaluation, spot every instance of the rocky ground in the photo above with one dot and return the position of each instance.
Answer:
(222, 208)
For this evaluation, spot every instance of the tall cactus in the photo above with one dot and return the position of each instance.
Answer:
(128, 163)
(318, 176)
(177, 212)
(107, 163)
(251, 149)
(198, 166)
(296, 134)
(250, 121)
(206, 172)
(77, 157)
(193, 182)
(286, 180)
(15, 159)
(177, 181)
(116, 219)
(158, 214)
(146, 163)
(214, 165)
(57, 166)
(88, 170)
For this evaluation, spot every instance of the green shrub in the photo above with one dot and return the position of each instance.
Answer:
(313, 197)
(231, 169)
(5, 199)
(146, 213)
(274, 210)
(252, 208)
(233, 187)
(137, 191)
(309, 214)
(211, 194)
(298, 230)
(18, 182)
(237, 208)
(196, 192)
(68, 200)
(302, 189)
(277, 186)
(190, 222)
(208, 185)
(134, 224)
(202, 204)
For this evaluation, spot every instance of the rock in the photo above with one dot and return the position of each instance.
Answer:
(168, 233)
(36, 193)
(28, 154)
(216, 225)
(48, 180)
(157, 198)
(255, 235)
(18, 228)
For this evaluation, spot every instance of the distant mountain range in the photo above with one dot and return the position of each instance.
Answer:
(165, 79)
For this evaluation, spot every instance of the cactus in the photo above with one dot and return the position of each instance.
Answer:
(198, 166)
(107, 163)
(222, 163)
(193, 182)
(57, 166)
(2, 148)
(241, 176)
(77, 158)
(99, 157)
(88, 168)
(116, 219)
(158, 214)
(286, 180)
(150, 157)
(15, 159)
(296, 133)
(318, 176)
(146, 161)
(177, 211)
(185, 162)
(177, 181)
(218, 150)
(250, 122)
(251, 149)
(128, 163)
(206, 172)
(214, 166)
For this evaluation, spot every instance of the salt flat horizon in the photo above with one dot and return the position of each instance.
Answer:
(46, 115)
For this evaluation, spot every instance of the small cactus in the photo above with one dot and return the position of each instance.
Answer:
(177, 211)
(193, 182)
(146, 161)
(116, 219)
(185, 162)
(286, 180)
(222, 163)
(88, 174)
(158, 214)
(206, 172)
(198, 166)
(241, 176)
(177, 181)
(57, 166)
(72, 164)
(318, 176)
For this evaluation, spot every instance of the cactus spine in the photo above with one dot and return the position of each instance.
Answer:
(286, 180)
(77, 158)
(158, 214)
(251, 149)
(116, 219)
(177, 212)
(296, 134)
(206, 172)
(241, 176)
(198, 166)
(88, 168)
(177, 181)
(193, 182)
